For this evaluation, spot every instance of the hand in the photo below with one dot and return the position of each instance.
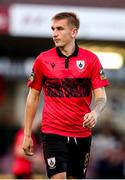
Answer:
(28, 146)
(90, 119)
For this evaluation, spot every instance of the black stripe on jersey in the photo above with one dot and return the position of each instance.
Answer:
(67, 87)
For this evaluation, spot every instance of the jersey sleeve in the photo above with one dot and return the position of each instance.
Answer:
(99, 78)
(36, 76)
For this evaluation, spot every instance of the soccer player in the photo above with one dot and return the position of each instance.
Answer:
(68, 74)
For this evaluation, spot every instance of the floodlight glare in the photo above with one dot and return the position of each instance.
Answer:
(110, 60)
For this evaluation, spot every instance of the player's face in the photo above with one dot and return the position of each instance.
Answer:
(62, 32)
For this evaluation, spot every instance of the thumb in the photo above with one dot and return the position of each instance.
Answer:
(29, 152)
(85, 116)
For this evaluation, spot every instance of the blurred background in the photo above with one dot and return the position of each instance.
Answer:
(24, 33)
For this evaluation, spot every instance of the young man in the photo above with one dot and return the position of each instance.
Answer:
(67, 74)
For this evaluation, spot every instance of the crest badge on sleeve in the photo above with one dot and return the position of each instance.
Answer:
(80, 64)
(31, 77)
(102, 74)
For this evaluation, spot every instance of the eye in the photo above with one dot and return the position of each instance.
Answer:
(52, 28)
(60, 28)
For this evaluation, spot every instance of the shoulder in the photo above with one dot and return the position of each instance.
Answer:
(87, 52)
(43, 56)
(89, 55)
(47, 53)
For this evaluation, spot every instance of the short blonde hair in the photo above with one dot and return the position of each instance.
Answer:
(70, 16)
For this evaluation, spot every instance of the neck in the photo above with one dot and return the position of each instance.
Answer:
(68, 49)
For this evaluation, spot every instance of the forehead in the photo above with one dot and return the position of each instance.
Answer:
(61, 22)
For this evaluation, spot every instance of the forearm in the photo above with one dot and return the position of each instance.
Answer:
(28, 119)
(91, 118)
(30, 111)
(99, 104)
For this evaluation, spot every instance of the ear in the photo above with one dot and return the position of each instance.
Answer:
(74, 32)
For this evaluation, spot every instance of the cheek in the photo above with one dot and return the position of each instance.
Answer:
(67, 36)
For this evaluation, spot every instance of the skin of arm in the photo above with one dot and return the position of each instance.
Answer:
(100, 99)
(30, 111)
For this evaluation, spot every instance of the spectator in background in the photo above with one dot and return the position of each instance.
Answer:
(22, 164)
(111, 166)
(107, 153)
(68, 74)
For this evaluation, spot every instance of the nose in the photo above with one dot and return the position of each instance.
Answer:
(55, 33)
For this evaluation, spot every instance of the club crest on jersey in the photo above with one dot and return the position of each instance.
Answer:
(80, 64)
(51, 162)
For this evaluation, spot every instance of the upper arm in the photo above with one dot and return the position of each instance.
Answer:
(99, 78)
(36, 78)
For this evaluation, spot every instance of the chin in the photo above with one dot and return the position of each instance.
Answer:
(58, 45)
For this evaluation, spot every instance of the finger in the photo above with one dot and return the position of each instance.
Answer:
(28, 153)
(86, 116)
(93, 124)
(85, 124)
(31, 150)
(87, 121)
(90, 124)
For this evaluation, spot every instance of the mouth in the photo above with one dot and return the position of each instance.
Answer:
(56, 40)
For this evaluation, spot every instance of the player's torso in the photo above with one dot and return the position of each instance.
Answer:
(67, 93)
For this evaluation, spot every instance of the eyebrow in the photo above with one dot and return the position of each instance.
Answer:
(58, 27)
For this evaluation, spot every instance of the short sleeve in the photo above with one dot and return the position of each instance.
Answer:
(36, 76)
(99, 78)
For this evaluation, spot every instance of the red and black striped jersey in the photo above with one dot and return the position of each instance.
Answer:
(67, 84)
